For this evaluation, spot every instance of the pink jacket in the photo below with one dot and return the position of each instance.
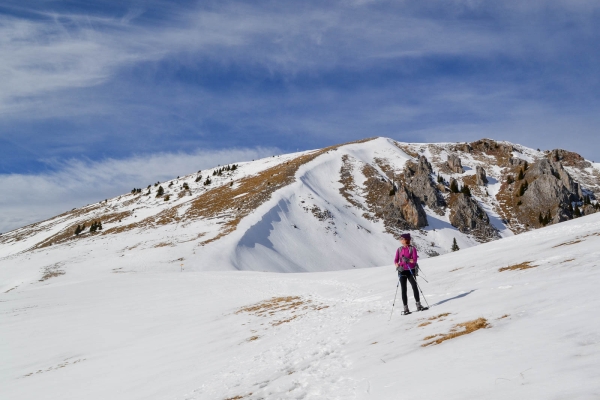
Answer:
(408, 252)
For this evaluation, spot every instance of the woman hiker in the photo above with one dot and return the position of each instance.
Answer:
(405, 261)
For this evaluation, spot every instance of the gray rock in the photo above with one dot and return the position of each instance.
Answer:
(418, 180)
(410, 209)
(455, 164)
(480, 176)
(469, 217)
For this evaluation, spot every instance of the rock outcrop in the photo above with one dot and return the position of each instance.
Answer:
(480, 176)
(568, 158)
(455, 164)
(470, 218)
(417, 178)
(407, 209)
(396, 205)
(543, 194)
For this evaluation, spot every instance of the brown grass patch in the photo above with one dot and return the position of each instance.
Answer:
(569, 260)
(461, 329)
(521, 266)
(504, 316)
(567, 243)
(406, 149)
(283, 321)
(51, 274)
(424, 324)
(164, 244)
(252, 338)
(240, 397)
(275, 304)
(439, 316)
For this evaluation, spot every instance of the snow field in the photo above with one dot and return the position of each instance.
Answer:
(179, 335)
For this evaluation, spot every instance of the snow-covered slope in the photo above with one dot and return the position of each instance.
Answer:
(102, 331)
(321, 204)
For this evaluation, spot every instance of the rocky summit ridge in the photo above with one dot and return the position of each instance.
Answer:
(343, 206)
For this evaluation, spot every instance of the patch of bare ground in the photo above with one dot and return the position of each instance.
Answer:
(347, 180)
(282, 305)
(52, 271)
(64, 364)
(569, 260)
(11, 289)
(240, 397)
(443, 315)
(504, 316)
(407, 149)
(164, 244)
(424, 324)
(68, 234)
(252, 338)
(38, 227)
(458, 330)
(567, 243)
(520, 266)
(387, 168)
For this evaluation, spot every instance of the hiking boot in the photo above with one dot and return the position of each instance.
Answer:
(406, 310)
(419, 306)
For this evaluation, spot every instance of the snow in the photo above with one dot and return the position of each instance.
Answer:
(154, 314)
(96, 334)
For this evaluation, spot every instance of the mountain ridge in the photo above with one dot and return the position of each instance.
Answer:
(341, 197)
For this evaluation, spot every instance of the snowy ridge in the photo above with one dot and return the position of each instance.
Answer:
(95, 334)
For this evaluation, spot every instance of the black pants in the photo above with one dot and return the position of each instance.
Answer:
(407, 276)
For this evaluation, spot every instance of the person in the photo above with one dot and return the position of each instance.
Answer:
(406, 261)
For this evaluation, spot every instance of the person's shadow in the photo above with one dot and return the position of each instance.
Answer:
(453, 298)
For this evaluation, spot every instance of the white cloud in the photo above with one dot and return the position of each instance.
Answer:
(75, 183)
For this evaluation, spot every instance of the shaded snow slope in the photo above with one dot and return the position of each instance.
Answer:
(99, 332)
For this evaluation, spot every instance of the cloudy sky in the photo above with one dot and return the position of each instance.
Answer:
(99, 97)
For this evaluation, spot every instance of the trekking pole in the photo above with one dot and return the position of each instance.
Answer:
(415, 278)
(394, 303)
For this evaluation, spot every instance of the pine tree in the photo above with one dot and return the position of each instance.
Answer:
(78, 230)
(521, 175)
(454, 245)
(523, 188)
(453, 186)
(577, 212)
(541, 219)
(510, 180)
(207, 181)
(234, 167)
(198, 178)
(466, 191)
(160, 191)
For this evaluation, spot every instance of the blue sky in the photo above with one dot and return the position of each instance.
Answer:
(104, 84)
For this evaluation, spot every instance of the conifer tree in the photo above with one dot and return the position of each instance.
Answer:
(198, 178)
(160, 191)
(99, 225)
(454, 245)
(523, 188)
(521, 175)
(510, 179)
(77, 230)
(577, 212)
(466, 191)
(453, 186)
